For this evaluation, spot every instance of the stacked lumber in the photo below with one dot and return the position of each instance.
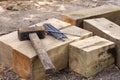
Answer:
(92, 59)
(110, 12)
(90, 56)
(86, 54)
(24, 60)
(10, 39)
(106, 29)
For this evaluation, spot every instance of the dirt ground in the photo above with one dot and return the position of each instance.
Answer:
(15, 14)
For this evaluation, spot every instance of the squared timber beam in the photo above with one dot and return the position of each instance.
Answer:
(106, 29)
(90, 56)
(110, 12)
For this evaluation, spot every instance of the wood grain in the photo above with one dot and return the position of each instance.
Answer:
(106, 29)
(110, 12)
(23, 51)
(89, 56)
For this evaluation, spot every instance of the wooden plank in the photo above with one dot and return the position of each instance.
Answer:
(110, 12)
(105, 29)
(25, 60)
(90, 56)
(55, 22)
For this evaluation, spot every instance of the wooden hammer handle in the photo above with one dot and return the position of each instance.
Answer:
(42, 54)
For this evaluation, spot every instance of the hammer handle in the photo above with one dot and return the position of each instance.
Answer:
(42, 54)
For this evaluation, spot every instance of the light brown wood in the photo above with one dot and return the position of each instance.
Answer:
(7, 49)
(55, 22)
(42, 54)
(25, 61)
(7, 41)
(106, 29)
(110, 12)
(89, 56)
(23, 64)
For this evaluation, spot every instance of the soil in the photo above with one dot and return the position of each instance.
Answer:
(15, 14)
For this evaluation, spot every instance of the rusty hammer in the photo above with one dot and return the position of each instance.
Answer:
(35, 34)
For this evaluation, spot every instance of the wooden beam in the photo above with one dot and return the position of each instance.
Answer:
(25, 61)
(55, 22)
(106, 29)
(110, 12)
(90, 56)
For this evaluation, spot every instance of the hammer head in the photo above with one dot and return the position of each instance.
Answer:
(23, 33)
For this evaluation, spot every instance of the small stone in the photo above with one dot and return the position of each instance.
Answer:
(13, 8)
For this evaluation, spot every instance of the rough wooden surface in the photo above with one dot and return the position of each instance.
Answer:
(10, 40)
(57, 50)
(25, 60)
(6, 50)
(55, 22)
(106, 29)
(90, 56)
(110, 12)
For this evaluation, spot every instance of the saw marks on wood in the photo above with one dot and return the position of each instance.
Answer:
(106, 29)
(89, 56)
(110, 12)
(24, 55)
